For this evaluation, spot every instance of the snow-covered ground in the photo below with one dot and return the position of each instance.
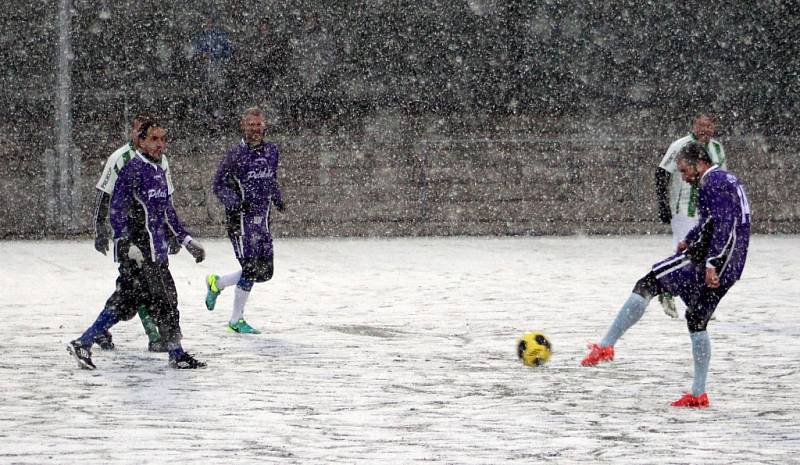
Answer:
(401, 351)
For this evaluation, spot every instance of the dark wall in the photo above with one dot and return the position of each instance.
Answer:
(414, 118)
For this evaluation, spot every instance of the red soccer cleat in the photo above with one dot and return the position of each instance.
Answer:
(598, 354)
(688, 400)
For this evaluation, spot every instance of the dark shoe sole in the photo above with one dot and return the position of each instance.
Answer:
(81, 363)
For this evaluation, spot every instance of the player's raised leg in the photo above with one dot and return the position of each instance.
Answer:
(629, 314)
(215, 284)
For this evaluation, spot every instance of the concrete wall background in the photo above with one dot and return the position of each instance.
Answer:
(383, 183)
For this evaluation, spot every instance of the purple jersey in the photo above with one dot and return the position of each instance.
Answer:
(719, 240)
(142, 210)
(247, 183)
(722, 234)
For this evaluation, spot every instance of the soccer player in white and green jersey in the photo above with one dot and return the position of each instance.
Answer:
(105, 187)
(677, 200)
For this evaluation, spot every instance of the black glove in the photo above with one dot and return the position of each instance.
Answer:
(664, 214)
(197, 251)
(279, 205)
(173, 245)
(101, 241)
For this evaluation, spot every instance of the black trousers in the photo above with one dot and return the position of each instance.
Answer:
(130, 293)
(163, 300)
(151, 285)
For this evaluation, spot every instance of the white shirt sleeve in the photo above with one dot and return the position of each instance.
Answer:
(165, 166)
(668, 162)
(109, 177)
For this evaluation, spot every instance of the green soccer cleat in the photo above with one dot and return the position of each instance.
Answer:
(242, 327)
(212, 291)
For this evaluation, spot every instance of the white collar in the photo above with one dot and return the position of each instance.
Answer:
(713, 167)
(245, 144)
(147, 160)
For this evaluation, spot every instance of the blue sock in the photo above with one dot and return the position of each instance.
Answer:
(175, 350)
(701, 352)
(631, 311)
(245, 284)
(104, 321)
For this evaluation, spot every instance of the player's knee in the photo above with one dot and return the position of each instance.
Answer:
(647, 287)
(245, 284)
(265, 274)
(696, 321)
(263, 271)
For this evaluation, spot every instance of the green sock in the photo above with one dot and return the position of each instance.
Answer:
(149, 325)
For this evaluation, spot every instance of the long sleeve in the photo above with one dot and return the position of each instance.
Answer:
(277, 195)
(101, 204)
(174, 224)
(229, 197)
(711, 240)
(120, 203)
(723, 212)
(662, 179)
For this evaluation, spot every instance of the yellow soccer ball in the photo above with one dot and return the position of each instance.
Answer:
(534, 349)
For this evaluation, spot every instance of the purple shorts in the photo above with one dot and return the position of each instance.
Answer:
(255, 240)
(679, 276)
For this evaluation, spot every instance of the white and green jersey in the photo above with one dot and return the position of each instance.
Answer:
(117, 160)
(682, 195)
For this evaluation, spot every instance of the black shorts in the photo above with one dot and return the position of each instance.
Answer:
(257, 269)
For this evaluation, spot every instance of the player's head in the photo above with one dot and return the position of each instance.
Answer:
(704, 127)
(253, 123)
(693, 161)
(152, 138)
(136, 124)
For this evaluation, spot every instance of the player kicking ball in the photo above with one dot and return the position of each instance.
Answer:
(709, 262)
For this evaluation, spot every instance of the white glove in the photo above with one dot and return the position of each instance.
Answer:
(135, 254)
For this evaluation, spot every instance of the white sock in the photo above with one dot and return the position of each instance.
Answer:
(239, 299)
(701, 353)
(631, 311)
(228, 280)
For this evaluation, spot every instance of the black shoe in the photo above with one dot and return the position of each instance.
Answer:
(185, 361)
(104, 341)
(82, 354)
(157, 346)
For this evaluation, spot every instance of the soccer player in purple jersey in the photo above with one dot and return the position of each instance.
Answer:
(247, 185)
(141, 216)
(709, 262)
(105, 187)
(677, 200)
